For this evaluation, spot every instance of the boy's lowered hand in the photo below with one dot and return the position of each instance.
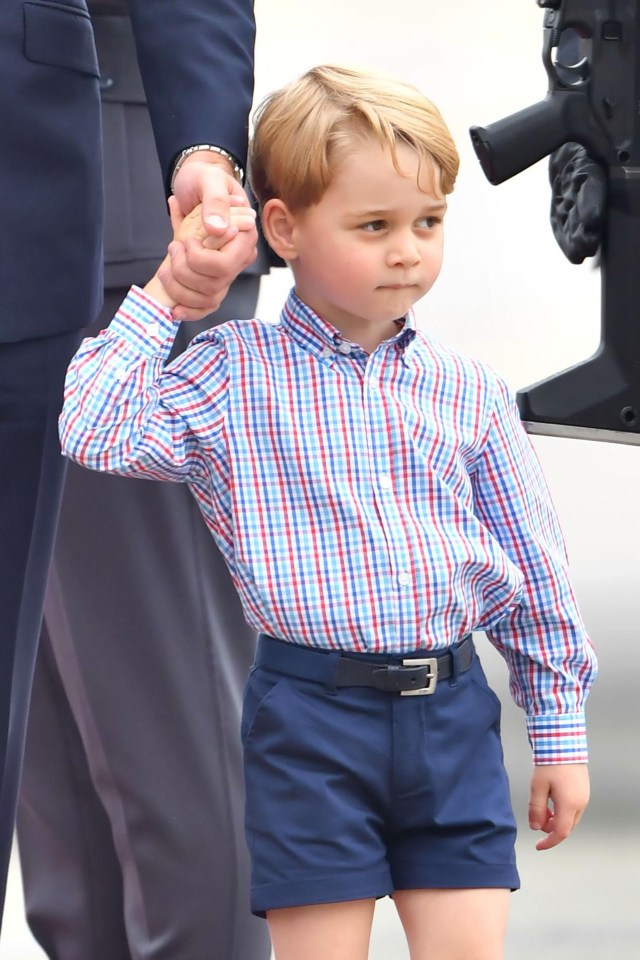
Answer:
(559, 795)
(190, 229)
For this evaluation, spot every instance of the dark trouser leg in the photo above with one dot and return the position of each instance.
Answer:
(151, 651)
(66, 843)
(31, 474)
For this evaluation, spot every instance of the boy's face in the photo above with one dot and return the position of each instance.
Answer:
(373, 244)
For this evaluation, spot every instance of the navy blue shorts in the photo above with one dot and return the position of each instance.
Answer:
(353, 792)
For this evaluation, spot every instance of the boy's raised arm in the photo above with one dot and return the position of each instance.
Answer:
(126, 412)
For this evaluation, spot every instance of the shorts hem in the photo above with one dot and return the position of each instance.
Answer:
(305, 893)
(445, 876)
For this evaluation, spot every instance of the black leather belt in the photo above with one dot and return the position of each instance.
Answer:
(408, 676)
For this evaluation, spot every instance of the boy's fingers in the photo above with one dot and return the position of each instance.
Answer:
(202, 267)
(243, 215)
(192, 226)
(175, 213)
(216, 243)
(559, 796)
(198, 279)
(561, 825)
(539, 812)
(219, 193)
(238, 252)
(241, 219)
(194, 291)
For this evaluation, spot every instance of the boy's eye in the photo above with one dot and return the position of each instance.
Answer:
(428, 223)
(374, 226)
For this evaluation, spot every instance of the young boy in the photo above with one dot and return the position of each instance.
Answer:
(376, 500)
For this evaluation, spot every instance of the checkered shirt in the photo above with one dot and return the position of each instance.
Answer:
(383, 502)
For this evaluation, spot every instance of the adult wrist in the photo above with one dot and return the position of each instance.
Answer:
(215, 154)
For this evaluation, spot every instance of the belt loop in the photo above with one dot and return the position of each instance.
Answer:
(454, 653)
(331, 679)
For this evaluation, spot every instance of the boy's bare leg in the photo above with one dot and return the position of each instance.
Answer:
(324, 931)
(454, 924)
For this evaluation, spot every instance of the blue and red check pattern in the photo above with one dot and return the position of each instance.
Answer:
(384, 502)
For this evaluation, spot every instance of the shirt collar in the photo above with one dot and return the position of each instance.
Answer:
(323, 340)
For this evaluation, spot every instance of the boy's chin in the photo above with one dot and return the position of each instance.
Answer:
(398, 306)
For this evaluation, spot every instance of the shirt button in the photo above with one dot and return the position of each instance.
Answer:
(404, 578)
(326, 353)
(153, 328)
(344, 347)
(385, 482)
(119, 374)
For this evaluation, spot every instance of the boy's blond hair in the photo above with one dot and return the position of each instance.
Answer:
(303, 130)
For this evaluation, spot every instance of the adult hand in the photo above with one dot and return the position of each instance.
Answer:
(200, 274)
(559, 795)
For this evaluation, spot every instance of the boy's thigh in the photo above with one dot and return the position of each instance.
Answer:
(326, 931)
(454, 924)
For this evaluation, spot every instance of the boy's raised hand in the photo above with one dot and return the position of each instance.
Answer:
(199, 277)
(189, 230)
(559, 795)
(190, 226)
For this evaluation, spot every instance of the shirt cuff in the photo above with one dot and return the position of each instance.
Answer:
(560, 738)
(145, 324)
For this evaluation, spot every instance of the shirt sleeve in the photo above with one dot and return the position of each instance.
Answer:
(125, 411)
(543, 639)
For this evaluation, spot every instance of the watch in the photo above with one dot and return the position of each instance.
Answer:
(237, 170)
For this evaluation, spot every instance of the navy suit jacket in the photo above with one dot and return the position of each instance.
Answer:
(196, 60)
(137, 228)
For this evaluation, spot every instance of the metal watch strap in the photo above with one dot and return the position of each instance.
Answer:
(237, 170)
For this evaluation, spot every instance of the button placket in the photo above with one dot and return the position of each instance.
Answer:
(384, 483)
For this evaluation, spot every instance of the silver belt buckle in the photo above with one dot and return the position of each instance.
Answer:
(432, 678)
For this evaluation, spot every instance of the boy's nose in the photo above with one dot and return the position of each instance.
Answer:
(404, 250)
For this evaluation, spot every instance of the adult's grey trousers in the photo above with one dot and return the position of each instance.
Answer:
(130, 819)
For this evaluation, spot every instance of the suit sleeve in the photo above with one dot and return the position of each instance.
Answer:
(197, 64)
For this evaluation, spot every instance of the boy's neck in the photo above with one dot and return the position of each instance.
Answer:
(366, 333)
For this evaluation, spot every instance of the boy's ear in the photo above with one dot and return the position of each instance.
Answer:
(278, 227)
